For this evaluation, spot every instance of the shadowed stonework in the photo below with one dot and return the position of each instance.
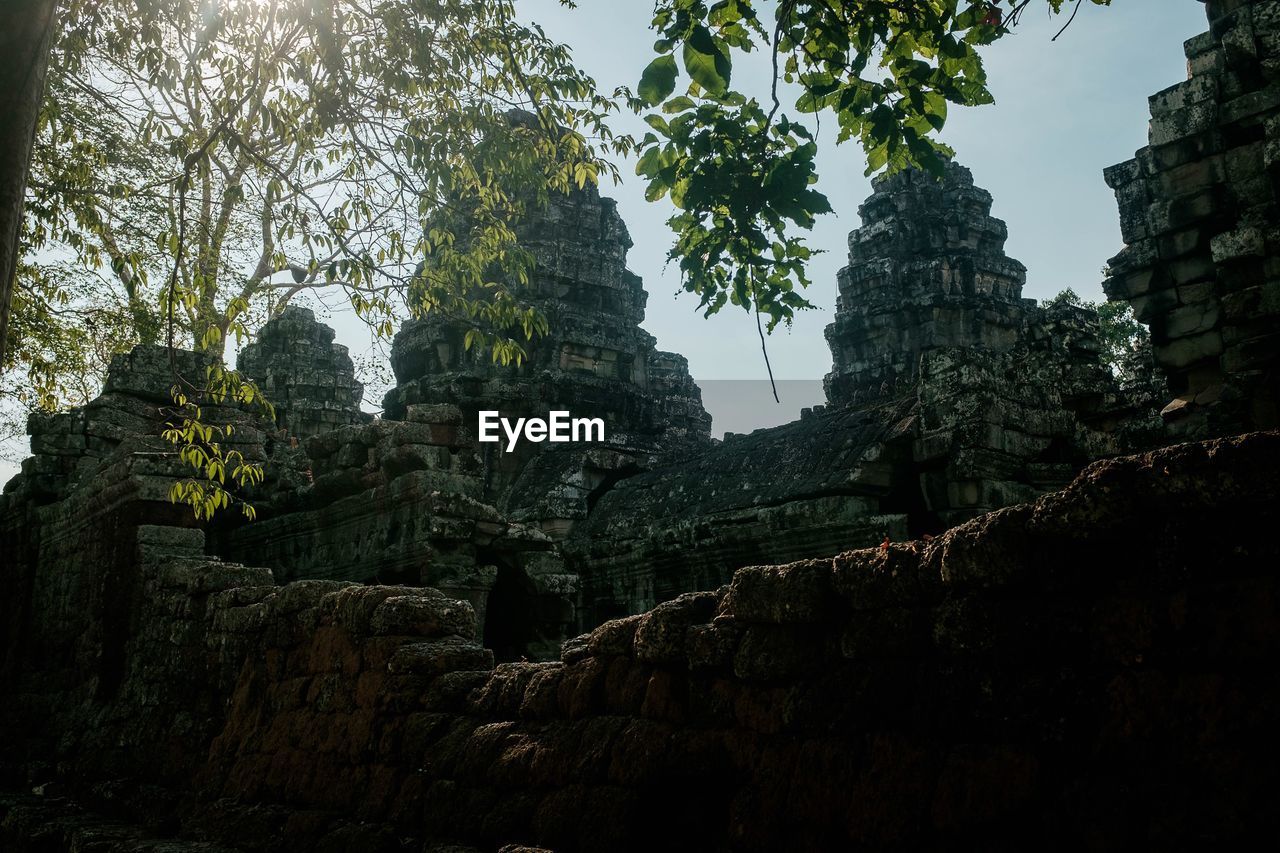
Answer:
(1094, 668)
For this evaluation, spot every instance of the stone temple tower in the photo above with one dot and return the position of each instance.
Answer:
(927, 270)
(595, 361)
(309, 378)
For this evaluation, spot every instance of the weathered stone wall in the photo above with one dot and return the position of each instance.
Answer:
(1094, 669)
(86, 650)
(814, 487)
(1199, 216)
(68, 448)
(384, 501)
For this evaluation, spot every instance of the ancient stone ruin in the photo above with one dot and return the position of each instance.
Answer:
(663, 641)
(1198, 211)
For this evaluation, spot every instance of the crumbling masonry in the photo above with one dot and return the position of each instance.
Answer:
(1052, 647)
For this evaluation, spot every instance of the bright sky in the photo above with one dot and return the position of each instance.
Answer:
(1064, 111)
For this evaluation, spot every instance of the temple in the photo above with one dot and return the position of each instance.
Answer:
(983, 594)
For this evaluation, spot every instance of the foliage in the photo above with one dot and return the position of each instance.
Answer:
(1126, 343)
(741, 173)
(202, 445)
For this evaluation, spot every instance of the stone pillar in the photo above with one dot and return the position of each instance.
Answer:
(927, 269)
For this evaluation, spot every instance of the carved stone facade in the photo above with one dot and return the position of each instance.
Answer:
(1200, 216)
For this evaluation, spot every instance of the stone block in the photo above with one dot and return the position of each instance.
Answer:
(1154, 304)
(1187, 351)
(176, 539)
(423, 616)
(397, 461)
(936, 444)
(1183, 211)
(1252, 302)
(1181, 96)
(246, 620)
(1245, 241)
(1177, 124)
(875, 579)
(614, 637)
(1188, 320)
(352, 607)
(774, 652)
(1122, 173)
(795, 593)
(662, 632)
(711, 646)
(575, 649)
(1209, 63)
(1189, 149)
(441, 414)
(1179, 243)
(1194, 177)
(305, 594)
(353, 455)
(1254, 354)
(440, 434)
(1129, 285)
(203, 578)
(438, 657)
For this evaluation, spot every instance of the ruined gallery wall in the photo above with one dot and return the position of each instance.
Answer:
(817, 486)
(1006, 682)
(1039, 673)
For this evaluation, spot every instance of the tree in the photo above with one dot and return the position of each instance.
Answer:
(741, 172)
(26, 27)
(1126, 343)
(286, 145)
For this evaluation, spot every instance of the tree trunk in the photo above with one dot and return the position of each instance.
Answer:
(26, 28)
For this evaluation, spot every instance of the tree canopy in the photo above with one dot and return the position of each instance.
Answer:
(741, 170)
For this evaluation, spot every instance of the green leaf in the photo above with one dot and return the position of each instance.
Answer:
(678, 105)
(706, 63)
(658, 123)
(658, 80)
